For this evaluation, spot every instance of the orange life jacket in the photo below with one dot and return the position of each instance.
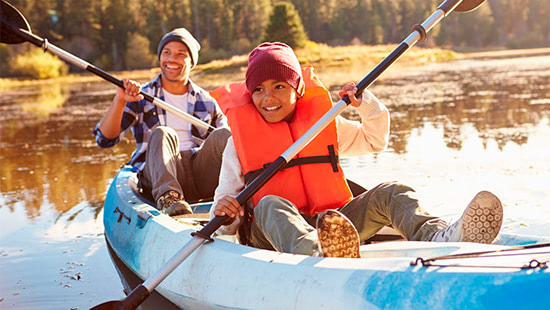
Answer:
(312, 187)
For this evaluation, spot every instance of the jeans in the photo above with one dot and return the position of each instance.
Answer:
(279, 226)
(194, 175)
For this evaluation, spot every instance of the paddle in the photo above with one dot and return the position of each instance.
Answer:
(142, 292)
(15, 30)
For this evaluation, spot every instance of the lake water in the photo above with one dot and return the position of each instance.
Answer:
(457, 128)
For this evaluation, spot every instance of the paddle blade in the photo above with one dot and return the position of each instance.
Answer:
(469, 5)
(132, 301)
(11, 16)
(110, 305)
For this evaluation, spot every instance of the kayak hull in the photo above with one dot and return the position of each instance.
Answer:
(223, 274)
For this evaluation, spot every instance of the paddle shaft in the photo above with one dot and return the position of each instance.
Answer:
(141, 292)
(418, 33)
(205, 233)
(43, 43)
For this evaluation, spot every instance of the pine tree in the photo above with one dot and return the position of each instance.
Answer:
(286, 26)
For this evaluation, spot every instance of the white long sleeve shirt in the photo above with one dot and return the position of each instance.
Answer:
(355, 138)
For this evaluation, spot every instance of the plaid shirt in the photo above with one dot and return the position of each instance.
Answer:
(143, 117)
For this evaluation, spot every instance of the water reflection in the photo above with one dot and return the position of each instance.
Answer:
(501, 103)
(38, 101)
(49, 156)
(455, 128)
(61, 176)
(47, 151)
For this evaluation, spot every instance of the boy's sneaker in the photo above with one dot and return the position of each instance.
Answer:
(480, 222)
(172, 203)
(337, 235)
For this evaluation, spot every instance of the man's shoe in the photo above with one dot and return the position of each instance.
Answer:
(480, 222)
(337, 235)
(172, 203)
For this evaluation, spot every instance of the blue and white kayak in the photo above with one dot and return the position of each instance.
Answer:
(512, 273)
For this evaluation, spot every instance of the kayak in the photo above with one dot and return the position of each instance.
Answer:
(510, 273)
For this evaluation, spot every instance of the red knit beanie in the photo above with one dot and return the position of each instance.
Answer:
(274, 60)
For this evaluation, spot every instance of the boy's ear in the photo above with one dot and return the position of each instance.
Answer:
(301, 89)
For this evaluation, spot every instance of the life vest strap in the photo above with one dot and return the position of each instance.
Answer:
(332, 159)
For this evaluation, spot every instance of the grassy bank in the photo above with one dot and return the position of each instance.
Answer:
(223, 71)
(352, 62)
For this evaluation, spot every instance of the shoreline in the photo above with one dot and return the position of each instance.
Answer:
(508, 53)
(230, 68)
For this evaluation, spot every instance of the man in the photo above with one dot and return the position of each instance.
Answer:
(177, 162)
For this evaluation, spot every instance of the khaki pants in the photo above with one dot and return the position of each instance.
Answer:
(279, 226)
(192, 174)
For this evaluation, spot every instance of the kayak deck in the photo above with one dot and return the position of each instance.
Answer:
(201, 217)
(389, 275)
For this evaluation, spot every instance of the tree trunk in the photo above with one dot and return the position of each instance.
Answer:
(498, 15)
(548, 23)
(195, 13)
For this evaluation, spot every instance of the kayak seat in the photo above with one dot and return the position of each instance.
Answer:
(355, 188)
(133, 183)
(198, 206)
(201, 210)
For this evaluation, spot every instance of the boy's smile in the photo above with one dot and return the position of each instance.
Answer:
(275, 100)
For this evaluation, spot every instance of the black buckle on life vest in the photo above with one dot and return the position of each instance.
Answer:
(331, 158)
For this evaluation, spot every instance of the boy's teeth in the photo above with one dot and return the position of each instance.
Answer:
(271, 108)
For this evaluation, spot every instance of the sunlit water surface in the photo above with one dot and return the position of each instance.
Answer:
(457, 128)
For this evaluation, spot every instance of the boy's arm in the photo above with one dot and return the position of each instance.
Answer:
(369, 135)
(231, 183)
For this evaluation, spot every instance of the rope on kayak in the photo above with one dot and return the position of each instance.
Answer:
(537, 264)
(533, 264)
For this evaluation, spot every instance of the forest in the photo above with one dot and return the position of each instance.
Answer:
(123, 34)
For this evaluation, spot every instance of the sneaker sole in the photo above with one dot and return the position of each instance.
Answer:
(179, 208)
(483, 218)
(337, 235)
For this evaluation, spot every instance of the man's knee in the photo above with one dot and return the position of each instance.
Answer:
(220, 135)
(160, 132)
(217, 140)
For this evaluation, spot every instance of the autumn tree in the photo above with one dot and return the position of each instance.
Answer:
(286, 26)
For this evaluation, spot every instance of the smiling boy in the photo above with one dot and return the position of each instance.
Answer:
(275, 105)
